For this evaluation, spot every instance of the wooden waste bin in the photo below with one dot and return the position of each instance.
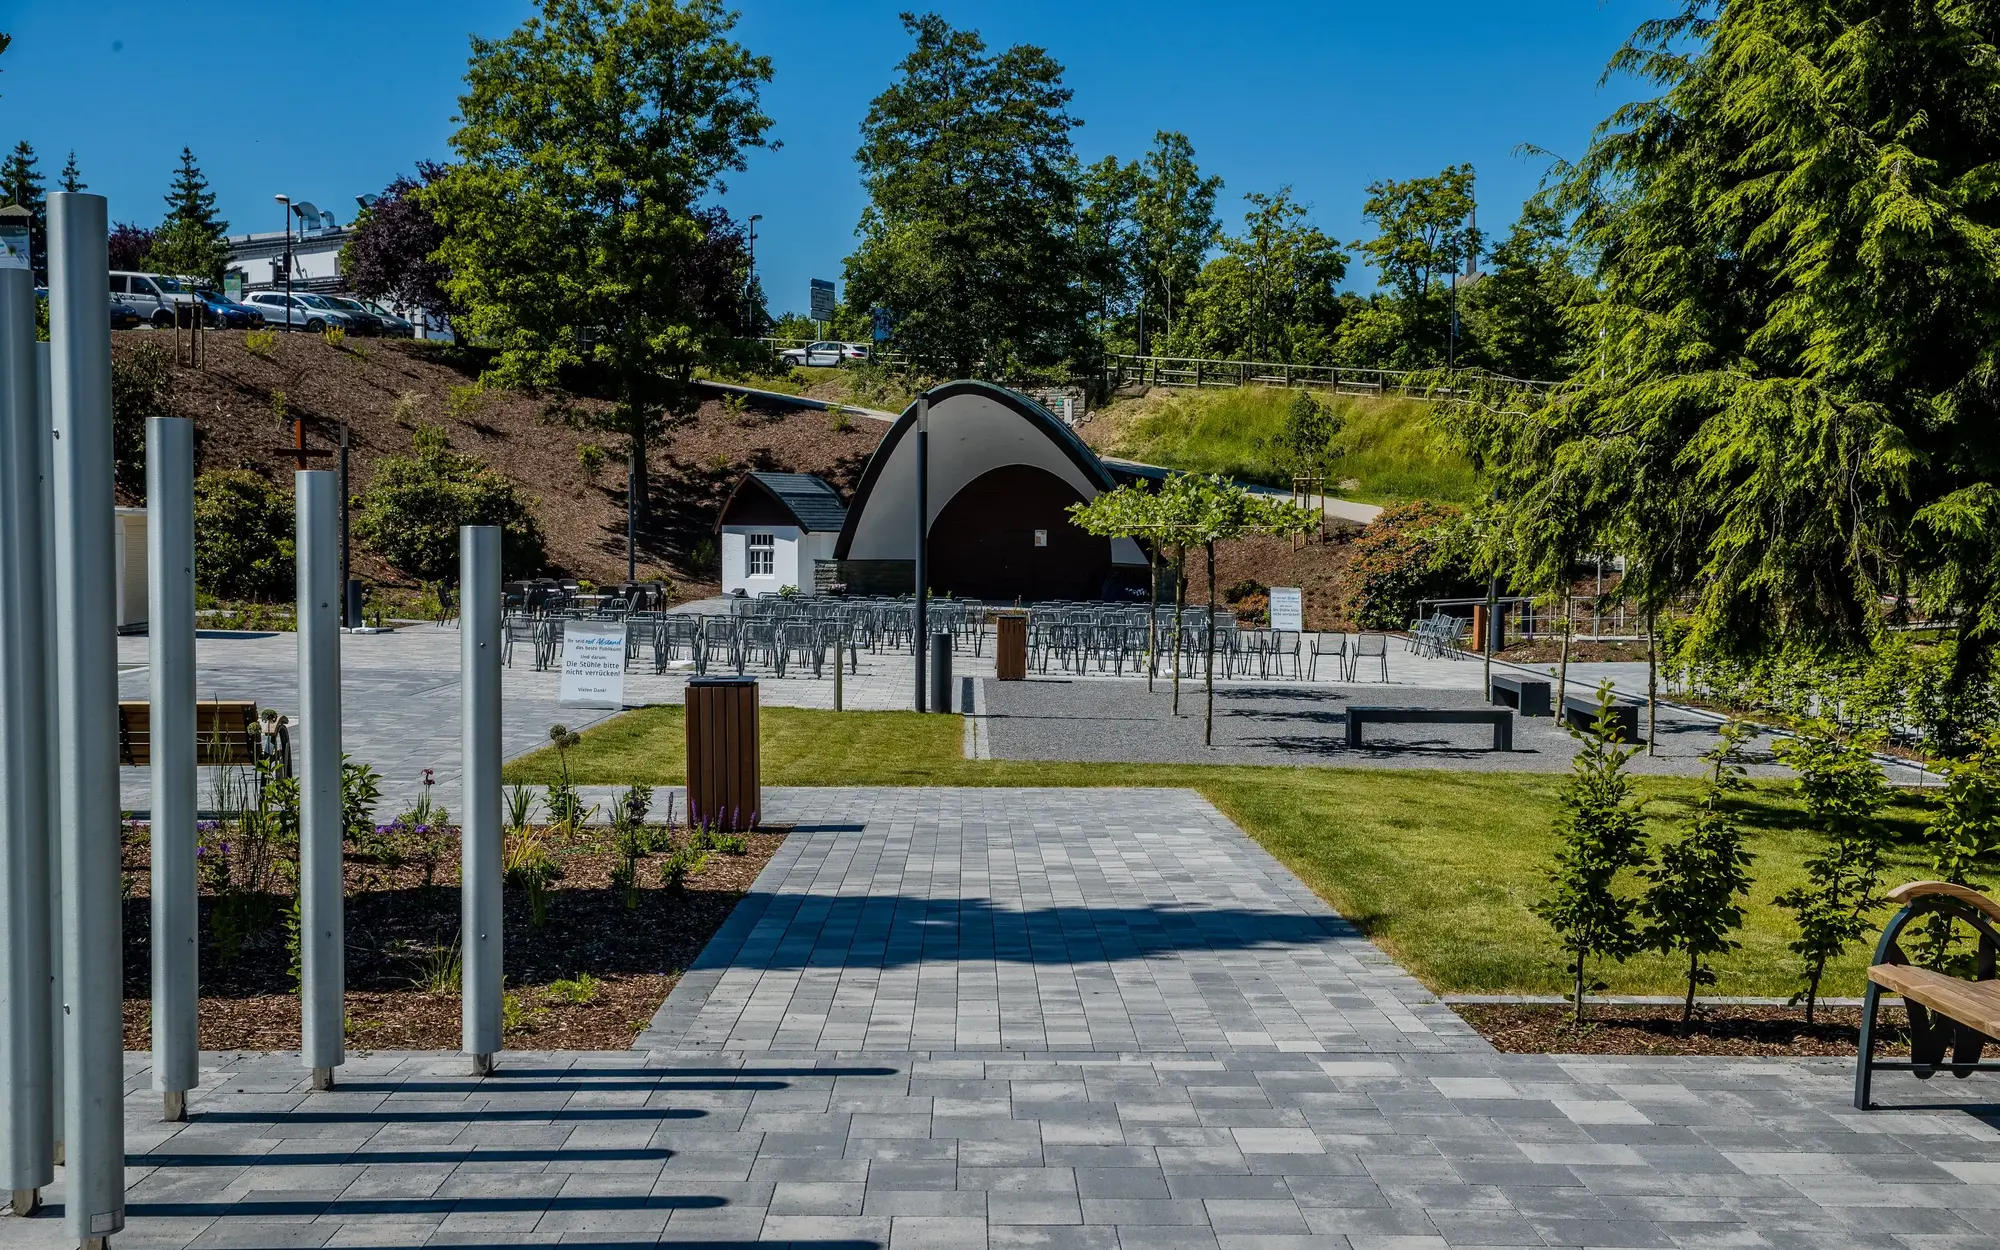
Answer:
(724, 787)
(1010, 647)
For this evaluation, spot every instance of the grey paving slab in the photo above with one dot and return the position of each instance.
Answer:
(1049, 1019)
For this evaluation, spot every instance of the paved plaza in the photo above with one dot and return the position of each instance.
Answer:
(1043, 1018)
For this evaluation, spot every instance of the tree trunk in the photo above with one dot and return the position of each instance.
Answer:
(1687, 1005)
(1208, 679)
(1576, 992)
(1653, 692)
(1152, 613)
(1180, 603)
(1562, 665)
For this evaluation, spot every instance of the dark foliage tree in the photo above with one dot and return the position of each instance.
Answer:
(572, 235)
(392, 251)
(129, 245)
(21, 183)
(1176, 224)
(970, 234)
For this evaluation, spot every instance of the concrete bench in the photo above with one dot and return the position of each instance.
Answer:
(1527, 695)
(1501, 719)
(1580, 712)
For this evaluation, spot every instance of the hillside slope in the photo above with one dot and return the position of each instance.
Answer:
(1387, 449)
(388, 387)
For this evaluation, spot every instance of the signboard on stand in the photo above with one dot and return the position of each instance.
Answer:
(593, 673)
(822, 300)
(1288, 609)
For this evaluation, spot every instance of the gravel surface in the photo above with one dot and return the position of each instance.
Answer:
(1050, 718)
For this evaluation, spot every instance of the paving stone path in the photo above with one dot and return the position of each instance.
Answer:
(1042, 1018)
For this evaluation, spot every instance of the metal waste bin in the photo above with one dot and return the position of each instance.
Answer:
(940, 672)
(1010, 647)
(724, 780)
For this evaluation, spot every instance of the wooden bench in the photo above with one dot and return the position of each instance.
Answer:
(226, 733)
(1580, 712)
(1526, 695)
(1946, 1013)
(1501, 719)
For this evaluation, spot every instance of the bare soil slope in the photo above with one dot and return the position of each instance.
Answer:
(387, 387)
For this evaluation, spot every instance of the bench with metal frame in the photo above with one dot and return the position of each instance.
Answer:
(1527, 695)
(1501, 719)
(226, 734)
(1946, 1013)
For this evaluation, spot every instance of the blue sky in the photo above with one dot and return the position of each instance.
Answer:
(326, 101)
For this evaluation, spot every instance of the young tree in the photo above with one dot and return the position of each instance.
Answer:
(71, 178)
(1964, 837)
(1843, 790)
(390, 253)
(1132, 511)
(1177, 225)
(1309, 431)
(970, 234)
(1600, 834)
(192, 240)
(1693, 899)
(21, 183)
(572, 235)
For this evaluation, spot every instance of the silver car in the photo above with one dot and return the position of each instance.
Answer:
(296, 310)
(823, 355)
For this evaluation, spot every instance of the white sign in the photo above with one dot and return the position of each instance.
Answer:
(1288, 609)
(593, 664)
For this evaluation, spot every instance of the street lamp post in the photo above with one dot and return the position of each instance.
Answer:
(749, 302)
(286, 200)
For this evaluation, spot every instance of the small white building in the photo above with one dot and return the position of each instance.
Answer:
(129, 548)
(773, 528)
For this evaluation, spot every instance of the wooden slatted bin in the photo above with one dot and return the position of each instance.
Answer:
(1010, 647)
(724, 781)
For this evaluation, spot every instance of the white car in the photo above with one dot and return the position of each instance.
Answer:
(151, 295)
(824, 355)
(302, 309)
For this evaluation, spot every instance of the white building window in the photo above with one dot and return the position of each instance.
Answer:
(763, 555)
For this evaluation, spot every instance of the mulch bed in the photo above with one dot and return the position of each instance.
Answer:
(1545, 1029)
(397, 925)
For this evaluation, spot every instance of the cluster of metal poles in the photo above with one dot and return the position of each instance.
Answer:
(61, 965)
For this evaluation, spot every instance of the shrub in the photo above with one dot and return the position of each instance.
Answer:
(464, 403)
(243, 535)
(1400, 558)
(1843, 789)
(1693, 898)
(141, 381)
(839, 421)
(1243, 590)
(412, 511)
(409, 409)
(335, 337)
(590, 458)
(261, 343)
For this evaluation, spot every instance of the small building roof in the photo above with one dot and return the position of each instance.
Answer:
(810, 500)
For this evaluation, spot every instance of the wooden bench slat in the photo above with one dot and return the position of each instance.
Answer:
(226, 733)
(1914, 889)
(1973, 1003)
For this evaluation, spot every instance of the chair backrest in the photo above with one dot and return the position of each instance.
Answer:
(1371, 645)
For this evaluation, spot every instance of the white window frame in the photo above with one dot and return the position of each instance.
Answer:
(760, 555)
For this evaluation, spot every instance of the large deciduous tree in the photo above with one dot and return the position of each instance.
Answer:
(1423, 235)
(970, 234)
(391, 253)
(573, 231)
(1271, 294)
(1522, 317)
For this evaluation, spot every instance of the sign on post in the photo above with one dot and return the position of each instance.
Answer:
(882, 325)
(1288, 609)
(822, 300)
(232, 285)
(593, 664)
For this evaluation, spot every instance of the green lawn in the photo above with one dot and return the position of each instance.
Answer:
(1438, 867)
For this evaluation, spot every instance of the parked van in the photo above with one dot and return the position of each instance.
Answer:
(151, 295)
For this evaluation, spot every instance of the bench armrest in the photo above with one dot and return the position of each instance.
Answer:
(1910, 891)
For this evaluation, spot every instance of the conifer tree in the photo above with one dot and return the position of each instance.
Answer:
(1600, 835)
(192, 240)
(21, 183)
(1694, 898)
(71, 178)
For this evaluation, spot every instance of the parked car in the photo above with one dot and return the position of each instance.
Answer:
(366, 320)
(152, 295)
(223, 313)
(392, 323)
(124, 316)
(345, 313)
(298, 310)
(855, 351)
(826, 355)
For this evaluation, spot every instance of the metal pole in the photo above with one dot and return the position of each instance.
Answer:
(348, 620)
(87, 717)
(920, 621)
(170, 653)
(51, 731)
(27, 1064)
(320, 921)
(479, 871)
